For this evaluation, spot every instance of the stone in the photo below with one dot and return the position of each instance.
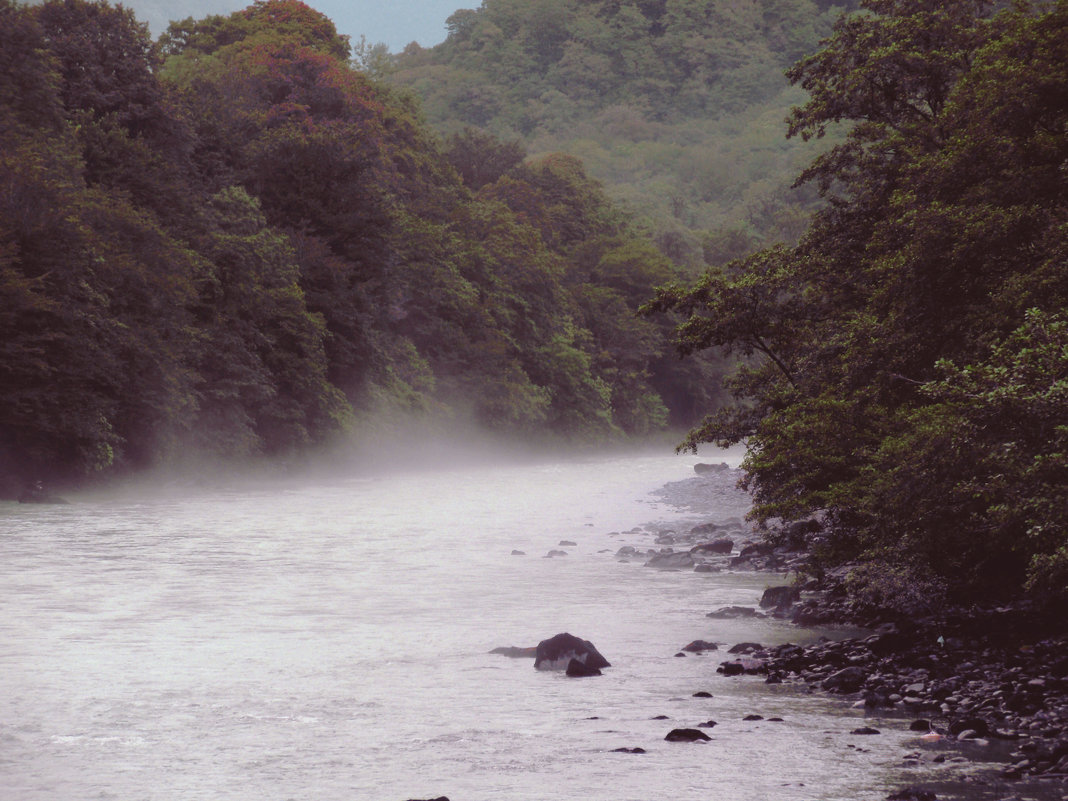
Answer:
(518, 553)
(920, 725)
(731, 669)
(702, 468)
(557, 652)
(846, 680)
(716, 546)
(676, 560)
(865, 730)
(779, 597)
(702, 694)
(968, 723)
(756, 549)
(697, 646)
(746, 648)
(708, 724)
(733, 612)
(753, 717)
(551, 554)
(628, 750)
(516, 652)
(686, 736)
(566, 543)
(577, 669)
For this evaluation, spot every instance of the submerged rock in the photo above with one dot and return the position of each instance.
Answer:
(556, 653)
(515, 652)
(703, 467)
(697, 646)
(733, 612)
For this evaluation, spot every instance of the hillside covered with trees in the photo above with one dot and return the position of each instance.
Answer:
(676, 105)
(232, 243)
(905, 378)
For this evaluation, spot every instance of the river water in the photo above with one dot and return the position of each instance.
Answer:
(329, 639)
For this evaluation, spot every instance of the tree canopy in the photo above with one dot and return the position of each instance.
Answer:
(235, 242)
(676, 105)
(904, 365)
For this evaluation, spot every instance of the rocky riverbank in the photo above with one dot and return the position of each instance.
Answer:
(977, 675)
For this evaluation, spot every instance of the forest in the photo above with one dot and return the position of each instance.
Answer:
(231, 242)
(904, 378)
(250, 238)
(676, 105)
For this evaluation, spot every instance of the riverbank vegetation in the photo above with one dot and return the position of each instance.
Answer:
(904, 373)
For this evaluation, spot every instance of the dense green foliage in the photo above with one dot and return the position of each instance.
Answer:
(905, 373)
(233, 242)
(676, 105)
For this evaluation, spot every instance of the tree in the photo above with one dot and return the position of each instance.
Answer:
(943, 225)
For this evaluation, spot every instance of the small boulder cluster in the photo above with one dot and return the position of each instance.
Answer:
(974, 685)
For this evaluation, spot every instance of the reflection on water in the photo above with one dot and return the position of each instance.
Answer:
(330, 641)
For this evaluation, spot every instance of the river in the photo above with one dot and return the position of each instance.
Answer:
(328, 639)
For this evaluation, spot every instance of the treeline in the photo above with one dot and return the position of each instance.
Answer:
(905, 365)
(677, 105)
(232, 242)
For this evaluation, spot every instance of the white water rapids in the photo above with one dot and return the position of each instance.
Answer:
(329, 640)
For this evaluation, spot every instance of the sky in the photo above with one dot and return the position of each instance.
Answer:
(393, 22)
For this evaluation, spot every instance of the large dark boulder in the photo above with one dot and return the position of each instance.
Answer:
(556, 653)
(686, 736)
(847, 680)
(779, 597)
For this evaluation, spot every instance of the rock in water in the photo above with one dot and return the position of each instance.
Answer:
(686, 736)
(847, 680)
(577, 670)
(671, 561)
(702, 467)
(779, 597)
(557, 652)
(515, 652)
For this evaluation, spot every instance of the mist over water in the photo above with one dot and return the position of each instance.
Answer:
(330, 640)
